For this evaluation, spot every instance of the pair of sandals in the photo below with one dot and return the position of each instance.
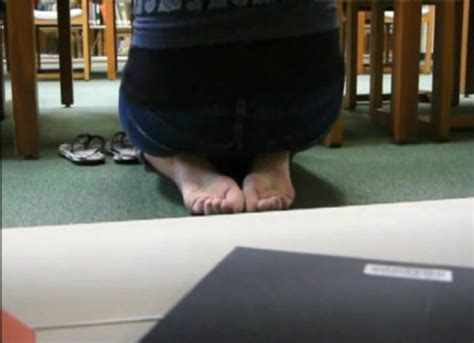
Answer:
(88, 149)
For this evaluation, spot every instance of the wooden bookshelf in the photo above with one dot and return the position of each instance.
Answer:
(112, 29)
(106, 25)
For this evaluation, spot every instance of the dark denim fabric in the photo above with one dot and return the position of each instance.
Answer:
(232, 101)
(238, 129)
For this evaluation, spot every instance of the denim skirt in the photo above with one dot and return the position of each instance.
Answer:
(233, 101)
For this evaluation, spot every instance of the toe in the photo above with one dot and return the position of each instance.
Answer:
(208, 209)
(198, 206)
(278, 203)
(226, 207)
(251, 199)
(265, 205)
(234, 200)
(272, 203)
(216, 205)
(286, 202)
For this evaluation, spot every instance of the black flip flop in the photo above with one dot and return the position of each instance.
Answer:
(85, 149)
(122, 149)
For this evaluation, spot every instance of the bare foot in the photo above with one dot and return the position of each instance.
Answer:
(268, 186)
(204, 190)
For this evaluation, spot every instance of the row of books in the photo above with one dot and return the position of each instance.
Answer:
(50, 5)
(123, 10)
(94, 14)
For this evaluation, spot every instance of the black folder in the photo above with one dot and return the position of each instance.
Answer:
(272, 296)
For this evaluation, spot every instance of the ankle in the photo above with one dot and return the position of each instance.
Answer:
(188, 167)
(272, 160)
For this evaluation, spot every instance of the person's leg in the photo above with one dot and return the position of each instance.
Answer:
(294, 100)
(204, 189)
(268, 184)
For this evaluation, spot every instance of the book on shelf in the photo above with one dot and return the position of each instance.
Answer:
(94, 14)
(123, 12)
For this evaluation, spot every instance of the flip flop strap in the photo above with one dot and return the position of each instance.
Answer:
(118, 140)
(86, 139)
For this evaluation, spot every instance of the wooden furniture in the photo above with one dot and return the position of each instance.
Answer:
(467, 50)
(352, 47)
(65, 58)
(427, 20)
(110, 39)
(111, 32)
(23, 76)
(23, 70)
(403, 118)
(407, 28)
(355, 19)
(79, 20)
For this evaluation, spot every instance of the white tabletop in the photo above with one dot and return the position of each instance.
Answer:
(73, 276)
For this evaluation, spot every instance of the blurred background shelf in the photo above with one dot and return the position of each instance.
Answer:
(95, 32)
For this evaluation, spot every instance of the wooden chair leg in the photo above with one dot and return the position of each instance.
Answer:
(65, 60)
(350, 100)
(86, 34)
(376, 58)
(465, 65)
(406, 70)
(457, 53)
(443, 70)
(360, 41)
(110, 39)
(23, 76)
(427, 64)
(335, 136)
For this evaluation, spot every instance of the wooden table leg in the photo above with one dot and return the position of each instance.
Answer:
(443, 71)
(110, 39)
(335, 137)
(406, 69)
(86, 35)
(376, 58)
(361, 15)
(351, 28)
(457, 52)
(23, 76)
(464, 48)
(65, 58)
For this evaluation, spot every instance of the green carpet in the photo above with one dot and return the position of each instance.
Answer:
(368, 169)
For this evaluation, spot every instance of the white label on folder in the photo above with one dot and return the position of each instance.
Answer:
(415, 273)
